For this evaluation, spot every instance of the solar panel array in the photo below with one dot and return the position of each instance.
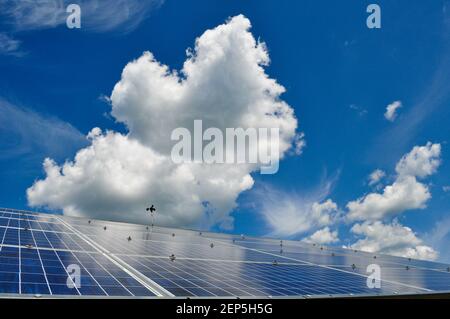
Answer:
(38, 253)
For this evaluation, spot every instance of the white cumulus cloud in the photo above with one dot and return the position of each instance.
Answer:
(391, 110)
(116, 177)
(392, 239)
(406, 192)
(223, 83)
(421, 162)
(323, 236)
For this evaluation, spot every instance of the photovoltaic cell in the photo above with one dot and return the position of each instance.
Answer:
(35, 254)
(203, 278)
(127, 260)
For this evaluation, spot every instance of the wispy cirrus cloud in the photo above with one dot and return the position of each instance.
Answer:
(439, 237)
(394, 140)
(96, 15)
(26, 133)
(291, 213)
(10, 46)
(430, 100)
(361, 111)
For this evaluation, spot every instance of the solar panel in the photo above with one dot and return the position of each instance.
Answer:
(38, 253)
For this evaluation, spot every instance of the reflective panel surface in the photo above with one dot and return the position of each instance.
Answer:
(43, 254)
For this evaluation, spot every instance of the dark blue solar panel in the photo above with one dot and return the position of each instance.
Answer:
(203, 278)
(117, 259)
(35, 254)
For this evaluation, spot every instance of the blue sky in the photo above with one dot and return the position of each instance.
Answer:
(339, 78)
